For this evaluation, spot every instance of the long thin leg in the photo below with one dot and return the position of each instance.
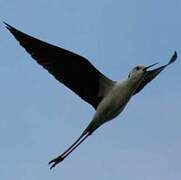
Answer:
(81, 136)
(85, 137)
(60, 158)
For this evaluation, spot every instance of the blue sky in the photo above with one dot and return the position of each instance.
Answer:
(40, 117)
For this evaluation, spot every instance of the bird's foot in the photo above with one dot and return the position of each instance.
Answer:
(55, 161)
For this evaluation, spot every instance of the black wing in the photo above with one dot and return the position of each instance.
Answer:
(150, 75)
(74, 71)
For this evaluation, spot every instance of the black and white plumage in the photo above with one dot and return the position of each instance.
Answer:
(106, 96)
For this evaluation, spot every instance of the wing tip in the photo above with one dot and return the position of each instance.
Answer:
(173, 58)
(175, 53)
(15, 32)
(9, 27)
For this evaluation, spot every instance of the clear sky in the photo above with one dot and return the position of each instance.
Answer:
(40, 117)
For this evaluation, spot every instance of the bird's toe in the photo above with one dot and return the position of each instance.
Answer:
(55, 161)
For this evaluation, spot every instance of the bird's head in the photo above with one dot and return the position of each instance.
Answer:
(138, 72)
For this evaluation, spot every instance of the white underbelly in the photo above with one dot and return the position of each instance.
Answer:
(111, 106)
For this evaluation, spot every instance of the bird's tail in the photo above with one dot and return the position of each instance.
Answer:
(61, 157)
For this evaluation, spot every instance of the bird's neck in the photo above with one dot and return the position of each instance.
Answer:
(132, 84)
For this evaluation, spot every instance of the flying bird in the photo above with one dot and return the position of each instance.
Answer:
(107, 97)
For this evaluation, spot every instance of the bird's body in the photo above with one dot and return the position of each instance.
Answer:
(113, 103)
(108, 97)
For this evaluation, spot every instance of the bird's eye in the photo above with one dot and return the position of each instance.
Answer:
(137, 68)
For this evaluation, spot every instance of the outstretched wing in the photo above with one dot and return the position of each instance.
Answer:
(74, 71)
(150, 75)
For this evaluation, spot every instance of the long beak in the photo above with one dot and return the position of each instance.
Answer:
(150, 66)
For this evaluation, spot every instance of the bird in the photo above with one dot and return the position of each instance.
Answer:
(106, 96)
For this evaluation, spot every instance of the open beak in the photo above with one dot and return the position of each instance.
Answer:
(149, 66)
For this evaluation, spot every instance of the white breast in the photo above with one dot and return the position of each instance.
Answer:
(113, 103)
